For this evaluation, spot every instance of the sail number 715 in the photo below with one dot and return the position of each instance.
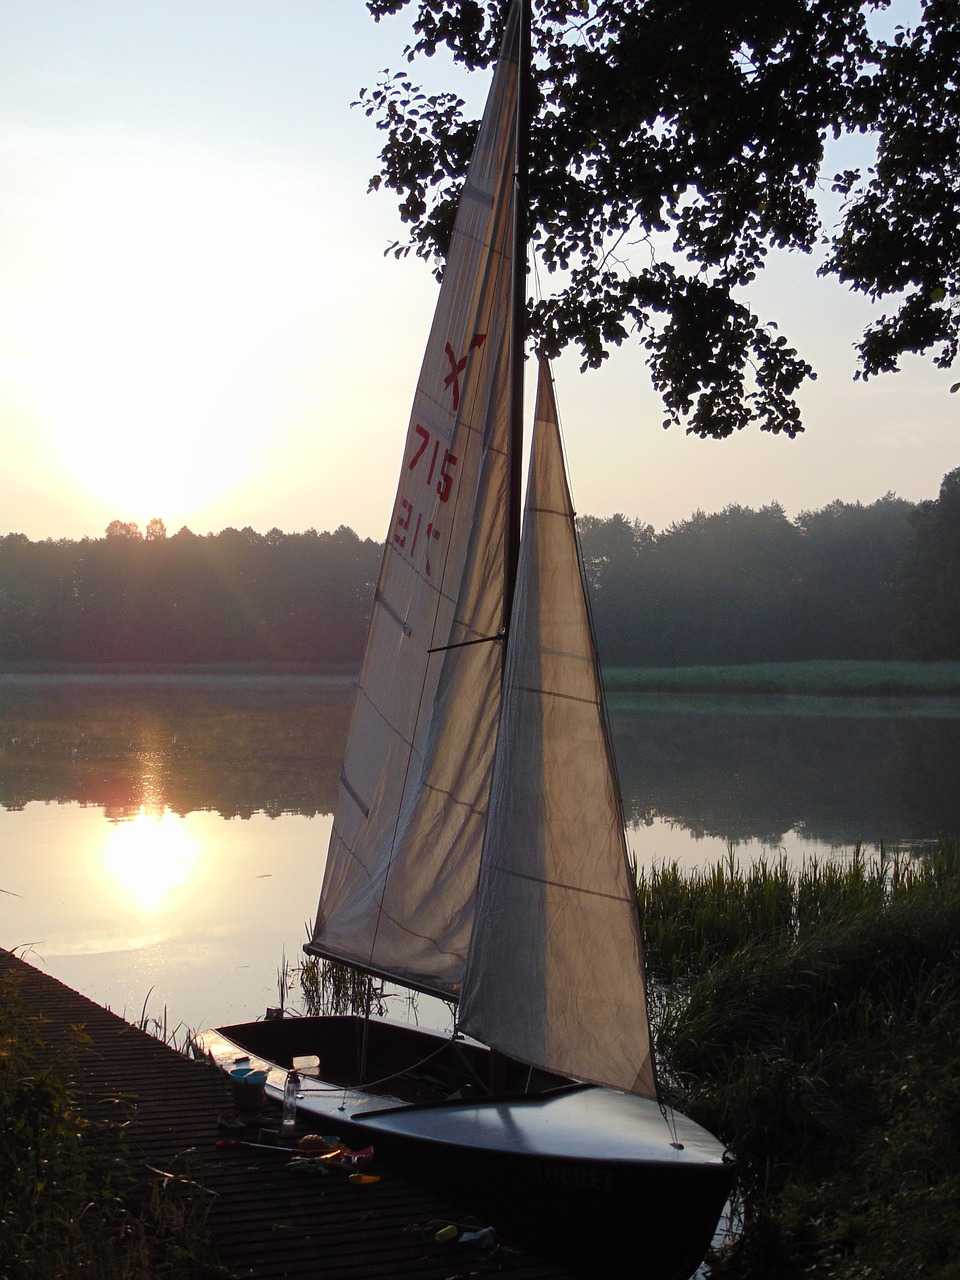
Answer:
(445, 478)
(411, 528)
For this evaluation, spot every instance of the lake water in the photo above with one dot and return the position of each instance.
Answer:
(162, 840)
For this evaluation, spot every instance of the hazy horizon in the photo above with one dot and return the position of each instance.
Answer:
(319, 529)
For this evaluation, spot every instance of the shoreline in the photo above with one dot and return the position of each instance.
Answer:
(875, 679)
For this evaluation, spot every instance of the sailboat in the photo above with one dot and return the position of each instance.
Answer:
(478, 850)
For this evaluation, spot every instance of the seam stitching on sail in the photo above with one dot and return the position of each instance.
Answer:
(413, 933)
(461, 804)
(550, 693)
(386, 719)
(566, 654)
(426, 580)
(552, 511)
(559, 884)
(422, 937)
(472, 192)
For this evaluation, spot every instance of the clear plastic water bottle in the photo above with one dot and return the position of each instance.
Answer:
(290, 1088)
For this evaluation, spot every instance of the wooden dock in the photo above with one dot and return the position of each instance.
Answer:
(266, 1221)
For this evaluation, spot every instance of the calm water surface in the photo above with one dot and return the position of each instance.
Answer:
(162, 840)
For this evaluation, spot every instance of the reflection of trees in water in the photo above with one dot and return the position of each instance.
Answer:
(274, 745)
(838, 778)
(234, 745)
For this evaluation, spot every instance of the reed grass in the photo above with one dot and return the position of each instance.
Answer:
(176, 1036)
(834, 679)
(331, 989)
(811, 1018)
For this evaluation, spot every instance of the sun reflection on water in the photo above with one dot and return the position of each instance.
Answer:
(149, 855)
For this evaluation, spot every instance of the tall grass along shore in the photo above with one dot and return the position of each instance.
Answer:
(811, 1018)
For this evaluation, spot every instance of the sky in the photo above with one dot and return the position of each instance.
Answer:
(198, 322)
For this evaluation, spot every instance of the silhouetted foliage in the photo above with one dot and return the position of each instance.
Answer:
(853, 560)
(737, 586)
(123, 529)
(930, 611)
(233, 596)
(742, 586)
(674, 144)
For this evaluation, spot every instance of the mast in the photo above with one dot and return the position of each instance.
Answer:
(515, 460)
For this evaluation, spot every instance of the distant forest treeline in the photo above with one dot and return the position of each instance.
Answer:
(234, 596)
(739, 586)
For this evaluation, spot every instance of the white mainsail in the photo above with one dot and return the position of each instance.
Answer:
(555, 972)
(398, 890)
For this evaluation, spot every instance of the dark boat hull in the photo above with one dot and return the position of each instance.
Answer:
(598, 1181)
(550, 1173)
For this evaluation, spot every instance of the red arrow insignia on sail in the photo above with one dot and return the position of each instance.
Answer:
(457, 366)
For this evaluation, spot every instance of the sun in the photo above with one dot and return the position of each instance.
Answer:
(169, 328)
(150, 855)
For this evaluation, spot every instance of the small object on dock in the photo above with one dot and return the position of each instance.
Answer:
(230, 1121)
(290, 1101)
(316, 1144)
(231, 1143)
(353, 1159)
(248, 1090)
(308, 1164)
(485, 1238)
